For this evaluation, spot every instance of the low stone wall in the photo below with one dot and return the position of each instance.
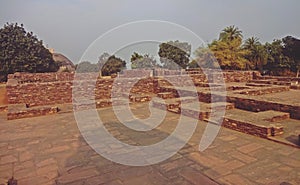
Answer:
(258, 105)
(240, 76)
(31, 112)
(248, 128)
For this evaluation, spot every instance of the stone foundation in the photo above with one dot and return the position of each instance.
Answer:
(256, 130)
(21, 111)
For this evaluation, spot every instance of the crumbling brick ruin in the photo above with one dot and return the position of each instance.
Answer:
(248, 94)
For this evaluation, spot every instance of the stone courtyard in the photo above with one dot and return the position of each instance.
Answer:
(258, 142)
(51, 150)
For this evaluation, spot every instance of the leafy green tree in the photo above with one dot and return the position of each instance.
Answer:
(228, 50)
(257, 53)
(174, 52)
(277, 61)
(292, 50)
(135, 56)
(230, 54)
(22, 51)
(142, 62)
(112, 65)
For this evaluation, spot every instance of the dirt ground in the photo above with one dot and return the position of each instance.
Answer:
(3, 97)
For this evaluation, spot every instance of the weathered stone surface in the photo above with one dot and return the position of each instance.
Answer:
(30, 112)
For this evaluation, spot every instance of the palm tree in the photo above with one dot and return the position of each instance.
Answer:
(257, 52)
(231, 33)
(251, 42)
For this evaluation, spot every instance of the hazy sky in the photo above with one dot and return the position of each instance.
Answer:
(70, 26)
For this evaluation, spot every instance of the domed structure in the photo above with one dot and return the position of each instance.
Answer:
(64, 63)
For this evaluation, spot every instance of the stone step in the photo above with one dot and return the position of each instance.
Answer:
(286, 83)
(296, 87)
(270, 81)
(258, 85)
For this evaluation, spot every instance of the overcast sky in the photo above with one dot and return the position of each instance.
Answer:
(70, 26)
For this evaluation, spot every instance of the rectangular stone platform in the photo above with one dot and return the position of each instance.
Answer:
(191, 107)
(262, 124)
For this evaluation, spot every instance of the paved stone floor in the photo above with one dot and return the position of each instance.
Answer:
(51, 150)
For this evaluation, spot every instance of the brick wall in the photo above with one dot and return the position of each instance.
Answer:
(56, 88)
(46, 89)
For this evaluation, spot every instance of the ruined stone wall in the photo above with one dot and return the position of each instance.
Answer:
(40, 77)
(257, 105)
(56, 88)
(280, 78)
(34, 94)
(46, 89)
(260, 131)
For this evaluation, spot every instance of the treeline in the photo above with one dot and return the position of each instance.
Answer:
(279, 57)
(22, 51)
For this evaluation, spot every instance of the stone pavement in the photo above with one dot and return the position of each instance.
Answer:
(51, 150)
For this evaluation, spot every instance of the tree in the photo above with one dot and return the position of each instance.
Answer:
(228, 49)
(277, 61)
(21, 51)
(292, 50)
(231, 33)
(174, 52)
(112, 65)
(103, 59)
(229, 53)
(142, 62)
(193, 64)
(204, 58)
(135, 56)
(257, 53)
(86, 67)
